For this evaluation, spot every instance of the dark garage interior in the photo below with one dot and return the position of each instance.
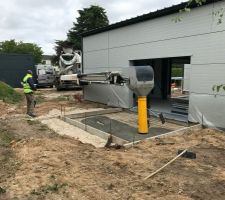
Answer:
(168, 95)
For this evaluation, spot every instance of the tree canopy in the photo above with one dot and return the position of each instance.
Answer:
(11, 46)
(89, 19)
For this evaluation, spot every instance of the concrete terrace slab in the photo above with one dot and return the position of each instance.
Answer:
(120, 129)
(120, 125)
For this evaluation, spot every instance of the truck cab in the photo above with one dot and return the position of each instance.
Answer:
(45, 75)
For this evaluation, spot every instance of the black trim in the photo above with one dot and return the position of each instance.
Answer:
(152, 15)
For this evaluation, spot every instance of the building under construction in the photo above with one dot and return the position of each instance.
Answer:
(196, 43)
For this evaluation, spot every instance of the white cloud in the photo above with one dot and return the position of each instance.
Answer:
(44, 21)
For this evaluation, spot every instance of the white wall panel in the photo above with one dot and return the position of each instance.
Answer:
(205, 49)
(95, 42)
(207, 109)
(208, 48)
(96, 59)
(187, 74)
(198, 21)
(203, 77)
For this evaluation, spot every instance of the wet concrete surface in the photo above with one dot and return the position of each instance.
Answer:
(120, 129)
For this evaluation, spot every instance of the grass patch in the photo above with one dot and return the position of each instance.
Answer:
(59, 98)
(38, 93)
(8, 94)
(52, 188)
(2, 190)
(33, 122)
(62, 98)
(43, 127)
(40, 126)
(6, 137)
(39, 98)
(8, 163)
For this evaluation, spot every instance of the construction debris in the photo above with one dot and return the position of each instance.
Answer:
(187, 154)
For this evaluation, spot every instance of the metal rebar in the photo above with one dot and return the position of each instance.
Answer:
(202, 120)
(110, 126)
(85, 126)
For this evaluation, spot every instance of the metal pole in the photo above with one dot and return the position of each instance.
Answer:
(142, 115)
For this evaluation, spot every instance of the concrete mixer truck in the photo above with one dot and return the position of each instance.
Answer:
(69, 63)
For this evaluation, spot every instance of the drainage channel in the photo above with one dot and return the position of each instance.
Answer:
(120, 125)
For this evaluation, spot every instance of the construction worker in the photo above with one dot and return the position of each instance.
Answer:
(28, 88)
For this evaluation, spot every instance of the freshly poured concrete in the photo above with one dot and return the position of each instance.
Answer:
(120, 129)
(121, 125)
(95, 126)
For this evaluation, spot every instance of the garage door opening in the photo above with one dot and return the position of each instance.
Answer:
(170, 94)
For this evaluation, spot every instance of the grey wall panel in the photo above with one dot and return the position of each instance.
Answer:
(112, 95)
(97, 69)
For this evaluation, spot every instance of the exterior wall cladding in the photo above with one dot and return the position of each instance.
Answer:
(198, 35)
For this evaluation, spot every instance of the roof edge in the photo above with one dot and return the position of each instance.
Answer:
(149, 16)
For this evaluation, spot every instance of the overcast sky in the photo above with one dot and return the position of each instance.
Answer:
(44, 21)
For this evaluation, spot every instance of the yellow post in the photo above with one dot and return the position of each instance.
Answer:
(142, 115)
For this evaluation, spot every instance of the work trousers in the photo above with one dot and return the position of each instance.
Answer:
(30, 103)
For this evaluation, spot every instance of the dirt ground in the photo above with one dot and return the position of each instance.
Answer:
(36, 163)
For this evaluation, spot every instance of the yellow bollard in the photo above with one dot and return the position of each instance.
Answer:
(142, 115)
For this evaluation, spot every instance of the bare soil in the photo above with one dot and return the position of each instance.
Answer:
(36, 163)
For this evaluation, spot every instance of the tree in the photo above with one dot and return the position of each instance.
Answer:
(89, 19)
(11, 46)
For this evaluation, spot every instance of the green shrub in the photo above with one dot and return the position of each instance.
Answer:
(45, 189)
(8, 94)
(177, 72)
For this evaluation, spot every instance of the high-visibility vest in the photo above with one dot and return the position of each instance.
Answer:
(26, 85)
